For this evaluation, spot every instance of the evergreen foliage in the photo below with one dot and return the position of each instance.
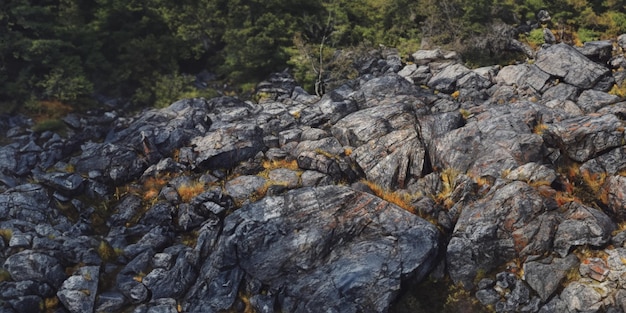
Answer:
(76, 50)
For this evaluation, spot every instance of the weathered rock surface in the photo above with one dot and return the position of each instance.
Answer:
(573, 67)
(327, 248)
(231, 205)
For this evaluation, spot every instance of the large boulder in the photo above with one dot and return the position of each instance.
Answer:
(320, 249)
(586, 137)
(512, 221)
(567, 63)
(496, 140)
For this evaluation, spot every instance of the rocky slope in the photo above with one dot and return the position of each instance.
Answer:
(506, 182)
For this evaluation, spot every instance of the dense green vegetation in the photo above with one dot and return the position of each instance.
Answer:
(147, 52)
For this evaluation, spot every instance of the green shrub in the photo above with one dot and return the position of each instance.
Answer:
(53, 125)
(586, 35)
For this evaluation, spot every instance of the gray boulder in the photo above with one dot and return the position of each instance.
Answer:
(492, 142)
(586, 137)
(545, 276)
(227, 146)
(511, 221)
(569, 64)
(37, 266)
(78, 292)
(446, 79)
(592, 100)
(582, 226)
(285, 243)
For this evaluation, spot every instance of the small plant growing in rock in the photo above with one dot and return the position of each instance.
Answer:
(190, 190)
(448, 177)
(401, 200)
(540, 128)
(152, 186)
(4, 275)
(6, 234)
(106, 252)
(455, 95)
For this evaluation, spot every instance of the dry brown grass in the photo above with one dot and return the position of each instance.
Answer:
(151, 187)
(188, 191)
(540, 128)
(448, 177)
(401, 200)
(274, 164)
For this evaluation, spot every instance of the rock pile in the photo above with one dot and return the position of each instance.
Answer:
(509, 181)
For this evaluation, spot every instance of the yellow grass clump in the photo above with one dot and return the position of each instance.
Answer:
(190, 190)
(401, 200)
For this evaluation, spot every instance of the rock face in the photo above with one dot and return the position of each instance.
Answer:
(328, 248)
(507, 181)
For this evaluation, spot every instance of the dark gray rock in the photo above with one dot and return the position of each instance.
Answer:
(592, 100)
(568, 107)
(125, 210)
(174, 282)
(32, 265)
(616, 189)
(545, 276)
(573, 67)
(561, 91)
(488, 296)
(283, 176)
(158, 237)
(533, 173)
(523, 75)
(391, 160)
(110, 302)
(29, 203)
(494, 141)
(26, 304)
(586, 137)
(225, 147)
(78, 292)
(446, 79)
(283, 241)
(582, 226)
(580, 297)
(600, 51)
(245, 188)
(67, 183)
(509, 222)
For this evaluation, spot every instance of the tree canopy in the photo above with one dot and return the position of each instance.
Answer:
(149, 51)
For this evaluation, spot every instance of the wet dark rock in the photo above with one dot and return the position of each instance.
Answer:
(293, 252)
(78, 292)
(573, 67)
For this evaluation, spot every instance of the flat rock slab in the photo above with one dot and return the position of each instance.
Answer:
(327, 249)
